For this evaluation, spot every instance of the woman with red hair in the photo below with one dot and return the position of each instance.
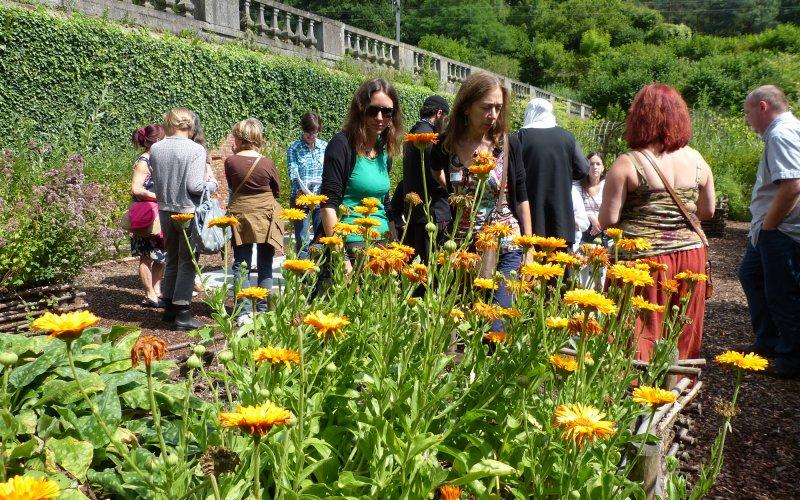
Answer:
(636, 200)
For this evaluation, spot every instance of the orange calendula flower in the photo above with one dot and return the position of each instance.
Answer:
(496, 337)
(492, 312)
(524, 241)
(752, 362)
(345, 229)
(449, 492)
(310, 200)
(633, 244)
(456, 314)
(690, 276)
(562, 362)
(519, 287)
(252, 293)
(29, 488)
(614, 233)
(550, 243)
(409, 251)
(654, 265)
(367, 222)
(224, 221)
(66, 326)
(643, 305)
(384, 261)
(542, 271)
(148, 348)
(181, 217)
(564, 259)
(299, 265)
(485, 241)
(276, 356)
(652, 396)
(556, 322)
(422, 140)
(595, 254)
(670, 286)
(293, 214)
(416, 273)
(332, 241)
(413, 199)
(365, 211)
(371, 202)
(326, 324)
(485, 283)
(583, 423)
(497, 229)
(461, 259)
(590, 328)
(631, 275)
(257, 420)
(590, 300)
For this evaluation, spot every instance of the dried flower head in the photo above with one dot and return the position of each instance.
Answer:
(413, 199)
(148, 348)
(725, 409)
(590, 328)
(218, 460)
(461, 259)
(66, 326)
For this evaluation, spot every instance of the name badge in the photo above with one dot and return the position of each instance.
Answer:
(456, 176)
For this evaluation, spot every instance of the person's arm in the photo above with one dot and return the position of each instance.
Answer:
(582, 222)
(707, 199)
(140, 173)
(580, 165)
(784, 201)
(784, 169)
(615, 191)
(198, 176)
(293, 164)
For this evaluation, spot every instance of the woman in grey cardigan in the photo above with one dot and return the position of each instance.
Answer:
(180, 175)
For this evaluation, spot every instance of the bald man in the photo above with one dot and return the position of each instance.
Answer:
(770, 269)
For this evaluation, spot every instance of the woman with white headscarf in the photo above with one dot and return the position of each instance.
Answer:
(552, 159)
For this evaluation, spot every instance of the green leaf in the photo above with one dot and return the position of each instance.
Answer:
(54, 354)
(73, 455)
(486, 468)
(23, 450)
(27, 421)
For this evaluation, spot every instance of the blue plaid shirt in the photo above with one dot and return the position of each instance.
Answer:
(305, 164)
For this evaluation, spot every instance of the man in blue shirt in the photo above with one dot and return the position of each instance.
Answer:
(304, 159)
(770, 269)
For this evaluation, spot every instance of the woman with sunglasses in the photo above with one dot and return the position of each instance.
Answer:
(358, 159)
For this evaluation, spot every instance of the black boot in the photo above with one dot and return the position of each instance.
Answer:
(169, 311)
(183, 319)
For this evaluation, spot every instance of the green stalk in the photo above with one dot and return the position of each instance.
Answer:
(301, 408)
(185, 415)
(7, 407)
(215, 487)
(256, 467)
(156, 413)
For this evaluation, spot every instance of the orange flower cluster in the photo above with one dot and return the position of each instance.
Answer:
(276, 355)
(422, 140)
(670, 286)
(482, 164)
(345, 229)
(496, 337)
(384, 261)
(416, 273)
(403, 248)
(326, 324)
(595, 255)
(461, 259)
(224, 221)
(592, 327)
(485, 241)
(492, 312)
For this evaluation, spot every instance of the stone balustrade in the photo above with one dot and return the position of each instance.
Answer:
(370, 48)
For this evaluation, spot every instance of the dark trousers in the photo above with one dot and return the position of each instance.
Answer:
(770, 277)
(179, 271)
(418, 238)
(243, 262)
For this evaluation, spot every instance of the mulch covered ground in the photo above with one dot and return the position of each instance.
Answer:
(762, 454)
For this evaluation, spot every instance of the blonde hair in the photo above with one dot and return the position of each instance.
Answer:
(250, 132)
(178, 119)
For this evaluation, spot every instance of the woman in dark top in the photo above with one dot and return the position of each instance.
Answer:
(253, 181)
(478, 125)
(358, 159)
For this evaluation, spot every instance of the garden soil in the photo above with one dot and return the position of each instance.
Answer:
(762, 453)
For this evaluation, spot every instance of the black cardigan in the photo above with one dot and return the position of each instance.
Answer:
(338, 166)
(517, 193)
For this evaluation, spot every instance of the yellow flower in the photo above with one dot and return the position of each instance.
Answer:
(643, 305)
(652, 396)
(367, 222)
(690, 276)
(654, 265)
(67, 326)
(416, 273)
(252, 293)
(326, 324)
(750, 361)
(595, 254)
(496, 337)
(542, 271)
(256, 420)
(384, 261)
(670, 286)
(413, 199)
(345, 229)
(485, 283)
(482, 164)
(556, 322)
(276, 355)
(331, 241)
(449, 492)
(564, 259)
(562, 362)
(181, 217)
(456, 314)
(491, 312)
(310, 200)
(292, 214)
(365, 211)
(524, 241)
(461, 259)
(148, 348)
(485, 241)
(518, 287)
(28, 488)
(371, 202)
(633, 244)
(614, 233)
(583, 423)
(412, 301)
(422, 140)
(224, 221)
(590, 300)
(549, 244)
(299, 265)
(631, 275)
(498, 229)
(402, 248)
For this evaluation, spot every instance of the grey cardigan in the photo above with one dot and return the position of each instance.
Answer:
(179, 166)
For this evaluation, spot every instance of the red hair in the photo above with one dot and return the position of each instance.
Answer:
(658, 117)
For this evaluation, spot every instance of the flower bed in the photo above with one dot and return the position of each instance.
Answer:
(17, 308)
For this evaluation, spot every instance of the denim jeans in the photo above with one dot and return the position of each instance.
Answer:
(243, 254)
(770, 277)
(301, 237)
(506, 262)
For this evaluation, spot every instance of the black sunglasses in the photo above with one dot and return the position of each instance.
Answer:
(372, 111)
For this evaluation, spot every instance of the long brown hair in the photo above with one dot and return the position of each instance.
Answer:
(474, 88)
(355, 123)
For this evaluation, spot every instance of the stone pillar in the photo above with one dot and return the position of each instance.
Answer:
(220, 13)
(332, 44)
(405, 58)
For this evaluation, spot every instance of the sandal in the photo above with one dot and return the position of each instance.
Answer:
(155, 304)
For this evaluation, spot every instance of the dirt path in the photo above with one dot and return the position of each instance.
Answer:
(762, 455)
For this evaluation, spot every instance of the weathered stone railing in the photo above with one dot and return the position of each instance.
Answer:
(290, 31)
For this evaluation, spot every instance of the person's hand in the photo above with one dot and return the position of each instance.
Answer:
(348, 267)
(595, 230)
(528, 256)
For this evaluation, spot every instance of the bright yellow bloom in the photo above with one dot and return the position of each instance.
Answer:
(413, 199)
(224, 221)
(256, 420)
(564, 259)
(654, 265)
(345, 229)
(252, 293)
(550, 243)
(751, 361)
(542, 271)
(293, 214)
(422, 140)
(310, 200)
(497, 229)
(583, 423)
(524, 241)
(496, 337)
(299, 265)
(492, 312)
(631, 275)
(367, 222)
(332, 241)
(416, 273)
(456, 314)
(653, 396)
(614, 233)
(28, 488)
(403, 248)
(449, 492)
(67, 326)
(276, 355)
(690, 276)
(326, 324)
(590, 301)
(643, 305)
(556, 322)
(518, 287)
(562, 362)
(148, 349)
(670, 286)
(365, 211)
(485, 283)
(181, 217)
(633, 244)
(371, 202)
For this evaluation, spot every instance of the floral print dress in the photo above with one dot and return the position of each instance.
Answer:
(153, 246)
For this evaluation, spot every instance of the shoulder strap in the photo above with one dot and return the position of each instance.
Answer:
(502, 198)
(690, 217)
(252, 167)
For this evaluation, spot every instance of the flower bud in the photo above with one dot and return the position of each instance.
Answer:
(263, 393)
(225, 356)
(331, 368)
(171, 459)
(194, 362)
(450, 246)
(199, 349)
(430, 227)
(8, 358)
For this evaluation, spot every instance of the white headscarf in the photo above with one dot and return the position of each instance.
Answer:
(539, 114)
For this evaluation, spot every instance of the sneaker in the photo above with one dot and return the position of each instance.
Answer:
(244, 319)
(784, 367)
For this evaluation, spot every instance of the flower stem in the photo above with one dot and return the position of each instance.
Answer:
(301, 408)
(215, 487)
(156, 413)
(7, 407)
(256, 467)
